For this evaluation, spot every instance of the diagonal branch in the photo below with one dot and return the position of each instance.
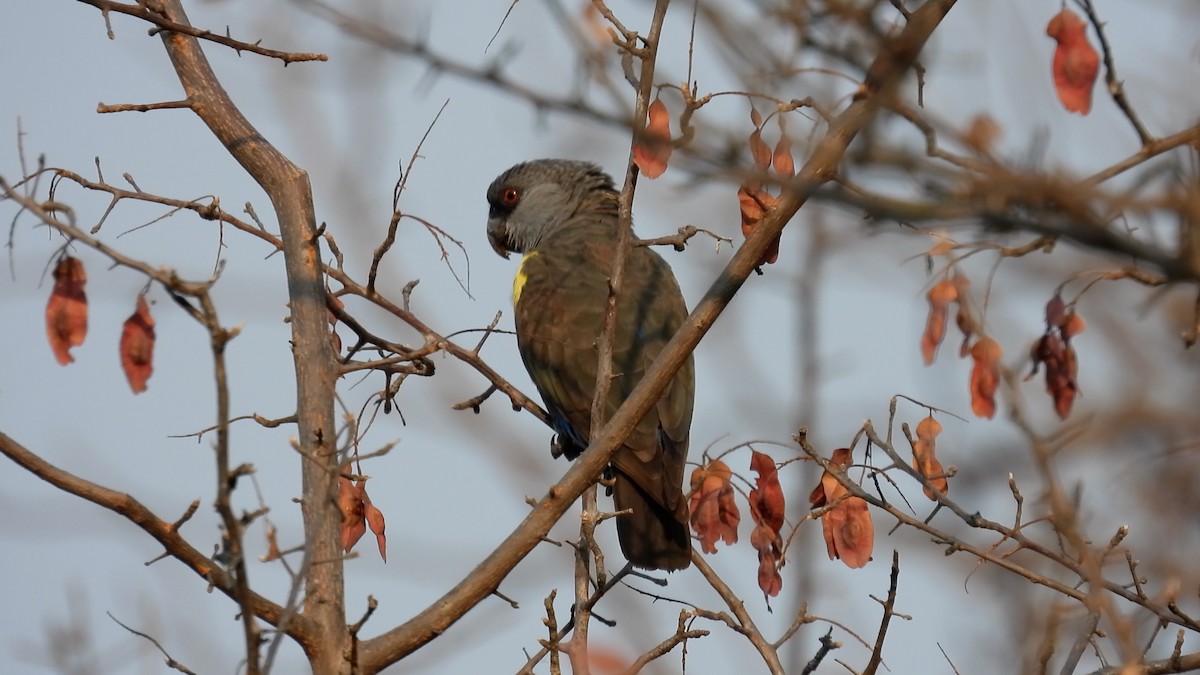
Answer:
(290, 191)
(890, 66)
(150, 12)
(164, 532)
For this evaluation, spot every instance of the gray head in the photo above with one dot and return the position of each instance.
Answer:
(533, 199)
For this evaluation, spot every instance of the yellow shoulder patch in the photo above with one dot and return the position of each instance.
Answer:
(519, 280)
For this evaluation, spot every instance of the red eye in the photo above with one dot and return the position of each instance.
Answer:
(510, 196)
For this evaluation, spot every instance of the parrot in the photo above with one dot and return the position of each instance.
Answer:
(562, 216)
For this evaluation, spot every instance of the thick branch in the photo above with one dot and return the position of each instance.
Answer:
(291, 194)
(164, 532)
(891, 65)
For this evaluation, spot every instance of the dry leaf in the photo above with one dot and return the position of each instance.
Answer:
(760, 150)
(985, 376)
(715, 515)
(354, 522)
(981, 133)
(1054, 351)
(137, 346)
(940, 296)
(942, 245)
(357, 513)
(850, 532)
(374, 521)
(335, 340)
(755, 117)
(766, 510)
(1072, 325)
(847, 527)
(652, 150)
(67, 309)
(781, 158)
(755, 204)
(925, 459)
(1076, 63)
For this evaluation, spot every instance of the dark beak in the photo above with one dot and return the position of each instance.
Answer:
(498, 237)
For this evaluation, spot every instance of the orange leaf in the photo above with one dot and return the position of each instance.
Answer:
(350, 502)
(1066, 388)
(335, 340)
(1056, 312)
(769, 579)
(652, 150)
(849, 532)
(985, 376)
(940, 296)
(137, 346)
(1054, 351)
(714, 512)
(67, 309)
(760, 150)
(847, 528)
(606, 659)
(825, 491)
(374, 520)
(781, 159)
(767, 494)
(755, 204)
(942, 245)
(1072, 325)
(981, 133)
(1076, 63)
(766, 510)
(925, 460)
(755, 117)
(967, 326)
(829, 495)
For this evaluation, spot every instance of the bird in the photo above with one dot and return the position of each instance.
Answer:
(562, 216)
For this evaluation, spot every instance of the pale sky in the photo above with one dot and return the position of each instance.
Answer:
(454, 485)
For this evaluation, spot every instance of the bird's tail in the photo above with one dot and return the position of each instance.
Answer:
(651, 537)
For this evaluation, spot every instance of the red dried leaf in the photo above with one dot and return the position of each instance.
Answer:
(652, 150)
(981, 133)
(769, 579)
(1076, 63)
(849, 532)
(755, 204)
(374, 521)
(985, 376)
(354, 523)
(715, 515)
(1056, 311)
(967, 326)
(767, 493)
(1054, 351)
(755, 117)
(273, 552)
(781, 158)
(940, 296)
(925, 460)
(335, 340)
(942, 245)
(846, 526)
(1060, 380)
(760, 150)
(821, 495)
(67, 309)
(1072, 325)
(766, 510)
(137, 346)
(606, 660)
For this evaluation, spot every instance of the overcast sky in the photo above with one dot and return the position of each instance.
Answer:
(454, 485)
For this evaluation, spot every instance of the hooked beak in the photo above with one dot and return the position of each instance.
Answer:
(498, 237)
